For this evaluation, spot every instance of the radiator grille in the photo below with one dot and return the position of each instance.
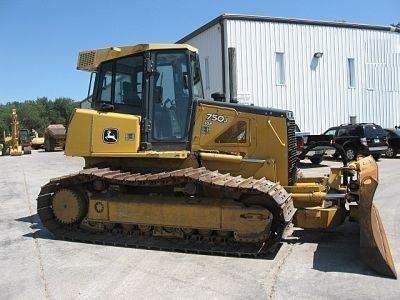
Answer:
(292, 172)
(86, 60)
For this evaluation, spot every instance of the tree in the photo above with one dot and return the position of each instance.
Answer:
(37, 114)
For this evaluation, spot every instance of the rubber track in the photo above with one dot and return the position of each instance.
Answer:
(197, 244)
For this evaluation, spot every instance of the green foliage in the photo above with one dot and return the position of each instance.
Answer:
(37, 114)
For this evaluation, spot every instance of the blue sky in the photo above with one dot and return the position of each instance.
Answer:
(40, 40)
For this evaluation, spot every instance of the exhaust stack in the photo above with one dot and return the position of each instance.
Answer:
(232, 75)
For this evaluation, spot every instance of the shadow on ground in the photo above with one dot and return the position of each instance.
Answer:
(157, 244)
(337, 250)
(38, 230)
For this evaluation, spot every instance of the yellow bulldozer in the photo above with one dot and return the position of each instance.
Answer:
(166, 169)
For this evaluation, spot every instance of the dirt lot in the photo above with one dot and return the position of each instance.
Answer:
(312, 265)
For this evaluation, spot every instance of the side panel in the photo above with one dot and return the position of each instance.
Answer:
(79, 135)
(216, 214)
(115, 133)
(261, 140)
(95, 133)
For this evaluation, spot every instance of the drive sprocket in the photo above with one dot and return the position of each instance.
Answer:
(68, 206)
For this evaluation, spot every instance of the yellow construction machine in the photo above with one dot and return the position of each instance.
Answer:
(54, 137)
(15, 147)
(19, 142)
(37, 142)
(165, 169)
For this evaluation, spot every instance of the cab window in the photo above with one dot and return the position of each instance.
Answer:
(105, 82)
(128, 81)
(120, 81)
(235, 134)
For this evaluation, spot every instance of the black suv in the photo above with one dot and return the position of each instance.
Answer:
(361, 138)
(393, 142)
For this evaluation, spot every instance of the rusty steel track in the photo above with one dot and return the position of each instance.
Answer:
(274, 194)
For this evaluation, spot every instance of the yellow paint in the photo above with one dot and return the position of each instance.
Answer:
(335, 178)
(262, 154)
(305, 188)
(319, 217)
(145, 154)
(87, 127)
(89, 60)
(98, 209)
(220, 157)
(276, 134)
(15, 147)
(182, 212)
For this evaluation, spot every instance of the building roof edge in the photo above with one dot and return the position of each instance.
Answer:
(222, 17)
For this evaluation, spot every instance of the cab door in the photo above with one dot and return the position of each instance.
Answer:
(170, 104)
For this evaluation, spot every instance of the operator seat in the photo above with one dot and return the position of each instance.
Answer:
(129, 96)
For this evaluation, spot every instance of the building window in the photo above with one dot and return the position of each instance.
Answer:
(207, 73)
(352, 72)
(280, 68)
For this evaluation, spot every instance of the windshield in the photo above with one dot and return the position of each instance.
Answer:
(171, 95)
(374, 131)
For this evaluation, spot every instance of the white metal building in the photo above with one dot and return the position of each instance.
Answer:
(324, 72)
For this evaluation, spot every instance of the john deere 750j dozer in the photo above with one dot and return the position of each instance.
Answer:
(165, 169)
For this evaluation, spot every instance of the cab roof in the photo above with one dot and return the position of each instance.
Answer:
(89, 60)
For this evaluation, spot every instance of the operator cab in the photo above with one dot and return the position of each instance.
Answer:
(159, 85)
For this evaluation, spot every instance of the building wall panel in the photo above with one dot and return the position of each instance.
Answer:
(316, 90)
(209, 42)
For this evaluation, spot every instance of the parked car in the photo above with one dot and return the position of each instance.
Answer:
(393, 142)
(315, 155)
(360, 139)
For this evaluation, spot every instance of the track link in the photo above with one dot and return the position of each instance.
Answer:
(274, 192)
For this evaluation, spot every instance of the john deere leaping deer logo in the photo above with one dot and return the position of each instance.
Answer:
(110, 135)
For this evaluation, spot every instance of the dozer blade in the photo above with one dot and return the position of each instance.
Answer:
(374, 247)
